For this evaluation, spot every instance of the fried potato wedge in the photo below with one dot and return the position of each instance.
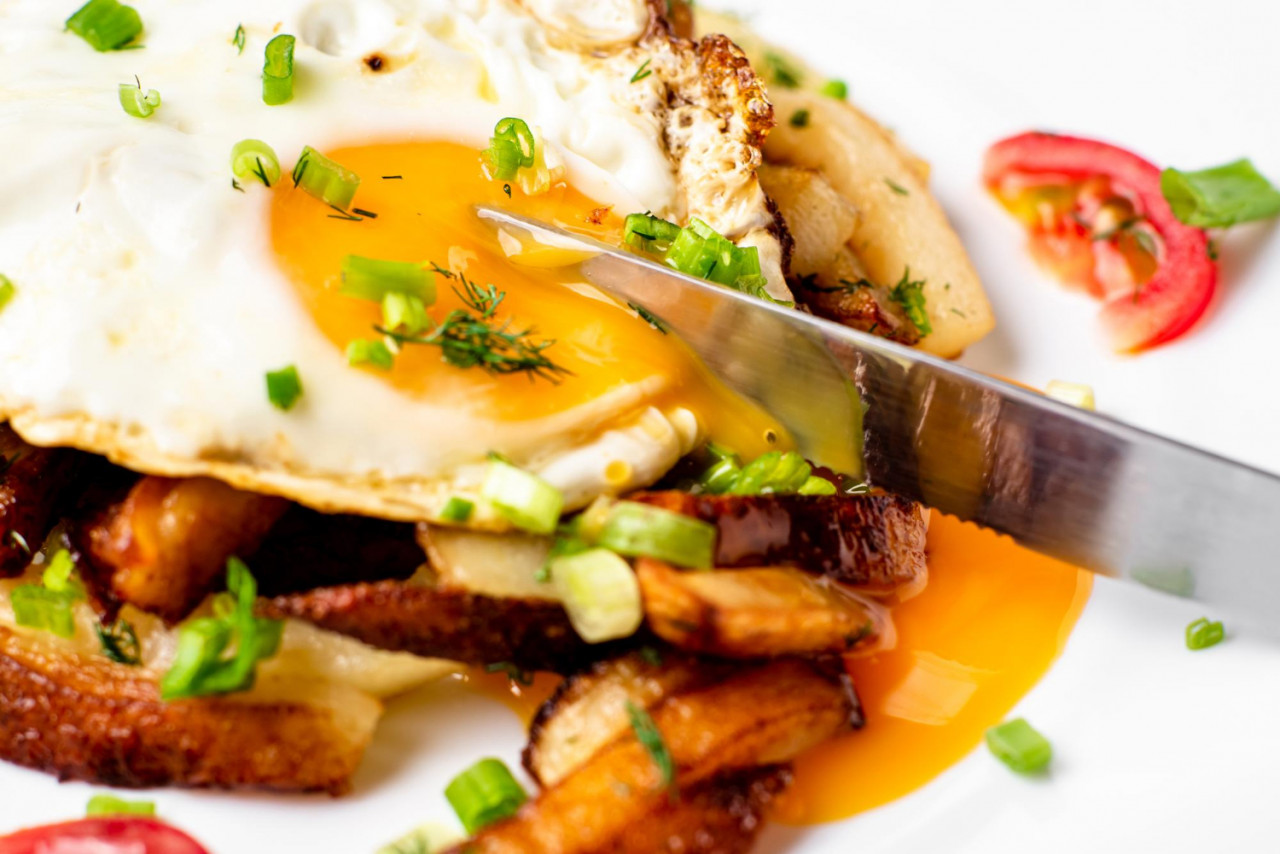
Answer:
(85, 718)
(33, 482)
(407, 616)
(489, 564)
(873, 542)
(755, 613)
(821, 220)
(755, 717)
(901, 226)
(165, 546)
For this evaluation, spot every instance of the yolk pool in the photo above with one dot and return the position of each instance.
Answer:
(425, 213)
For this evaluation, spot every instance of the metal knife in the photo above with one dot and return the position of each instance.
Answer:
(1072, 484)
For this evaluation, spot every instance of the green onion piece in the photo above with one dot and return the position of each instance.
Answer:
(137, 103)
(253, 158)
(650, 738)
(772, 472)
(517, 131)
(200, 666)
(782, 72)
(370, 352)
(457, 510)
(484, 793)
(426, 839)
(404, 313)
(57, 575)
(1203, 634)
(1221, 196)
(325, 179)
(588, 524)
(720, 452)
(8, 290)
(600, 593)
(650, 233)
(721, 476)
(111, 805)
(284, 387)
(639, 530)
(373, 279)
(815, 485)
(277, 71)
(38, 607)
(525, 500)
(910, 295)
(105, 24)
(511, 149)
(1019, 746)
(837, 89)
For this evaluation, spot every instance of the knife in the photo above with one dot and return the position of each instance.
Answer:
(1069, 483)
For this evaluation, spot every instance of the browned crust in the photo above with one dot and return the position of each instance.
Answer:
(726, 69)
(453, 624)
(866, 308)
(875, 542)
(32, 485)
(88, 719)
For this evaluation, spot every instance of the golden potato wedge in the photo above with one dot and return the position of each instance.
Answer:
(901, 227)
(820, 219)
(756, 717)
(504, 565)
(755, 613)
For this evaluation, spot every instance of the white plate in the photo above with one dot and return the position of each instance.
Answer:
(1157, 748)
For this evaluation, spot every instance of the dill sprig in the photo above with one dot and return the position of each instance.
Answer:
(472, 337)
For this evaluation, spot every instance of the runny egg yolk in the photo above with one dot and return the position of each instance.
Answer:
(423, 196)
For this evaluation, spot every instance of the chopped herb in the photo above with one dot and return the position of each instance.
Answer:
(1018, 745)
(781, 71)
(457, 510)
(7, 290)
(105, 24)
(896, 187)
(284, 387)
(1203, 634)
(364, 213)
(119, 642)
(809, 283)
(514, 673)
(800, 119)
(506, 188)
(393, 177)
(958, 312)
(648, 317)
(111, 805)
(238, 39)
(1220, 197)
(650, 737)
(837, 89)
(235, 185)
(370, 352)
(910, 295)
(642, 72)
(344, 215)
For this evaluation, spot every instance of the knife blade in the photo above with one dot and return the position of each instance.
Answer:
(1073, 484)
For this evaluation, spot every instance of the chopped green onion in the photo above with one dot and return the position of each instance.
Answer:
(253, 158)
(511, 148)
(642, 72)
(910, 295)
(772, 472)
(639, 530)
(650, 233)
(404, 313)
(721, 476)
(238, 39)
(815, 485)
(1203, 634)
(277, 71)
(483, 794)
(1019, 746)
(837, 89)
(200, 665)
(698, 250)
(57, 576)
(650, 738)
(373, 279)
(8, 290)
(119, 642)
(1072, 393)
(284, 387)
(327, 180)
(600, 593)
(800, 119)
(525, 500)
(427, 839)
(38, 607)
(457, 510)
(370, 352)
(1221, 196)
(896, 187)
(782, 72)
(137, 103)
(111, 805)
(105, 24)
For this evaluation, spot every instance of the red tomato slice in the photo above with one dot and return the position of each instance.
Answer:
(106, 835)
(1096, 216)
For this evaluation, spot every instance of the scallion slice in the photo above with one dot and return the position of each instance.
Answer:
(1018, 745)
(111, 805)
(136, 102)
(105, 24)
(38, 607)
(511, 148)
(772, 471)
(284, 387)
(370, 352)
(837, 89)
(404, 313)
(1204, 633)
(525, 500)
(57, 576)
(277, 71)
(8, 290)
(600, 593)
(457, 510)
(373, 279)
(325, 179)
(484, 793)
(815, 485)
(640, 530)
(254, 159)
(650, 233)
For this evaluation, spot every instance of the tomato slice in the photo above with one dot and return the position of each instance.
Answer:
(104, 835)
(1095, 216)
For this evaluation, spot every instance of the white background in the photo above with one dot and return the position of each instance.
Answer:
(1157, 748)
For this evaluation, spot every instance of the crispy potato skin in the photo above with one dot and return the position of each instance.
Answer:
(452, 624)
(874, 542)
(753, 613)
(756, 717)
(87, 719)
(33, 483)
(165, 546)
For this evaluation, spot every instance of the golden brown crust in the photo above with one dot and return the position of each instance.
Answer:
(87, 719)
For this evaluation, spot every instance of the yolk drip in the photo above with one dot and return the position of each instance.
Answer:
(424, 213)
(986, 627)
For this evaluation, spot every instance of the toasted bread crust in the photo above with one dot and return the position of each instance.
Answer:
(88, 719)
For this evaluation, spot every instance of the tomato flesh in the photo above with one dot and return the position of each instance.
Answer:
(103, 835)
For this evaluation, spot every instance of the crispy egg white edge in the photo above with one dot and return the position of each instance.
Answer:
(149, 302)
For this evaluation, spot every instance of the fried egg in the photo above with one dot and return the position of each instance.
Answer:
(153, 293)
